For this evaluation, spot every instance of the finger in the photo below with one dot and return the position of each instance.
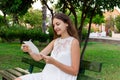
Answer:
(43, 56)
(23, 46)
(46, 61)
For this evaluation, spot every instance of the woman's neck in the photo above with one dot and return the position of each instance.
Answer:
(65, 36)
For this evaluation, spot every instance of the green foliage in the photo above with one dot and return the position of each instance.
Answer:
(11, 33)
(89, 8)
(22, 33)
(1, 21)
(78, 12)
(84, 33)
(117, 21)
(33, 17)
(15, 6)
(25, 5)
(89, 5)
(98, 19)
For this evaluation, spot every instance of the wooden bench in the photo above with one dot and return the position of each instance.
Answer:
(11, 74)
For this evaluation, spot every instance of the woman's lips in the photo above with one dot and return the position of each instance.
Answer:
(57, 30)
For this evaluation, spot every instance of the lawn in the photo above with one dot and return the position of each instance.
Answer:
(108, 54)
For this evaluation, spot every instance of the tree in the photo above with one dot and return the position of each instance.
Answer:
(15, 7)
(44, 2)
(98, 19)
(71, 5)
(3, 7)
(1, 21)
(44, 12)
(89, 9)
(33, 17)
(117, 21)
(109, 25)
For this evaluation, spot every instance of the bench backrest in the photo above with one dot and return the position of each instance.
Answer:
(84, 65)
(90, 65)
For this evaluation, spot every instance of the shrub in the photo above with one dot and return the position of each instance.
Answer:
(22, 33)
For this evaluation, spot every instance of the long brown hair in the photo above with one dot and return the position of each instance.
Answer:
(71, 28)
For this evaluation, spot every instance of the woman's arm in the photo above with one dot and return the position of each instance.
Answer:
(75, 53)
(45, 51)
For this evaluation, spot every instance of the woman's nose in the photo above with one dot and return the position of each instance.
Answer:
(55, 27)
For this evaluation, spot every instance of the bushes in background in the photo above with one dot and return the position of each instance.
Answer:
(22, 33)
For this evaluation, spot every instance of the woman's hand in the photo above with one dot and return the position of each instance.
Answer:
(25, 48)
(48, 59)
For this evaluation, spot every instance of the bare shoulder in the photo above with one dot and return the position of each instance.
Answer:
(52, 42)
(75, 42)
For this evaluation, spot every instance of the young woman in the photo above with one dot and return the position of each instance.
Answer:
(63, 63)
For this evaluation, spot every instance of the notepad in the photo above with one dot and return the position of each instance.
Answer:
(32, 46)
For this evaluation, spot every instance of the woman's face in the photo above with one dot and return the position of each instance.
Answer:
(59, 26)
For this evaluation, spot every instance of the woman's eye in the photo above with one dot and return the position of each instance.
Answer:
(57, 24)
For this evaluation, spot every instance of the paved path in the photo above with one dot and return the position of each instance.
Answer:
(106, 39)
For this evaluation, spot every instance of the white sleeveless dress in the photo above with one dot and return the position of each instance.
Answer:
(62, 53)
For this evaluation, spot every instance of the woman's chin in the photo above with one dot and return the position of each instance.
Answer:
(58, 34)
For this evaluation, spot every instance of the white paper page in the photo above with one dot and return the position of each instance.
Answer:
(32, 46)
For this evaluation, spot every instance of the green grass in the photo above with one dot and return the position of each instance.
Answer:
(108, 54)
(10, 56)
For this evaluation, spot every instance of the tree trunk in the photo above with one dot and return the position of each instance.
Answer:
(5, 20)
(44, 18)
(44, 2)
(15, 19)
(87, 38)
(83, 17)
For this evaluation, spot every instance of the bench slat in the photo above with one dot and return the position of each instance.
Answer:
(21, 70)
(14, 72)
(7, 75)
